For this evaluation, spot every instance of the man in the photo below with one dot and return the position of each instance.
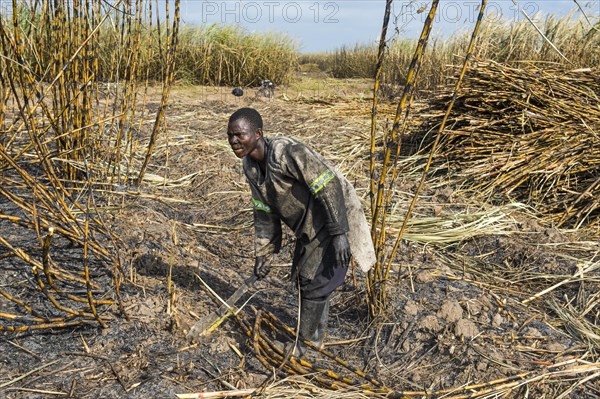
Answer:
(292, 183)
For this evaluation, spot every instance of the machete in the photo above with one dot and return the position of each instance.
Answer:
(209, 322)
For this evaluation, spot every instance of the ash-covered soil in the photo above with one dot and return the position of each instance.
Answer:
(455, 316)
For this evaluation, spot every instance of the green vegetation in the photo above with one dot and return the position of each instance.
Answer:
(132, 48)
(577, 40)
(228, 55)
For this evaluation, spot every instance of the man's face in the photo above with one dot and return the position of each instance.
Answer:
(243, 138)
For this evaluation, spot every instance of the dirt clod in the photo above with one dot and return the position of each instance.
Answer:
(411, 308)
(451, 311)
(423, 277)
(466, 328)
(431, 323)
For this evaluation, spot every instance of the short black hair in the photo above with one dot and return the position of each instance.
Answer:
(250, 115)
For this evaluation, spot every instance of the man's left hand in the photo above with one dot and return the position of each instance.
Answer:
(341, 246)
(262, 266)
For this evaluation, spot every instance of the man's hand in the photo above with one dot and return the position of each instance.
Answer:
(341, 247)
(262, 266)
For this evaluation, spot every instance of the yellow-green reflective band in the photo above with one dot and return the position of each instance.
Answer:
(321, 181)
(260, 206)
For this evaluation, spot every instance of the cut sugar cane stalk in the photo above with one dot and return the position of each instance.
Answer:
(216, 394)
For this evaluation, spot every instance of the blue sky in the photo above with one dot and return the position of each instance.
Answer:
(322, 25)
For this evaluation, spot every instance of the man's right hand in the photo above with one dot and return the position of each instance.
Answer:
(262, 266)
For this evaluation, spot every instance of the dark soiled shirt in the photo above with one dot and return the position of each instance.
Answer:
(301, 189)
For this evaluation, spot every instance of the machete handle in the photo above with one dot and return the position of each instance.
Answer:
(208, 322)
(251, 280)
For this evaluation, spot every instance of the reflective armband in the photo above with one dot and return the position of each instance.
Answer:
(321, 181)
(260, 206)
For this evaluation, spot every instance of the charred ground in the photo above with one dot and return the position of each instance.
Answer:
(458, 314)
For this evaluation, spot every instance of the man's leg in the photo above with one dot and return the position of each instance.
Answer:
(313, 320)
(314, 301)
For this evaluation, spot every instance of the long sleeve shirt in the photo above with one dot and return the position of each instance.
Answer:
(301, 189)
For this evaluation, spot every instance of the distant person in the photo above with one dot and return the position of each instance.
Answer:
(292, 183)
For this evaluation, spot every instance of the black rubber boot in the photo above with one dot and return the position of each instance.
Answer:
(313, 323)
(322, 329)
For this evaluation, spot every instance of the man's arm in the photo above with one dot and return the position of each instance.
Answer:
(267, 227)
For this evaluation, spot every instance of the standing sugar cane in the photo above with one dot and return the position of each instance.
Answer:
(440, 130)
(377, 275)
(378, 69)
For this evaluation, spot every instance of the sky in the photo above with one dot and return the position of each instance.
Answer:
(325, 25)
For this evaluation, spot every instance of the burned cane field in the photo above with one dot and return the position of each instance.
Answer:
(125, 218)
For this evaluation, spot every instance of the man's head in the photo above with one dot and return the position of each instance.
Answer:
(244, 133)
(249, 114)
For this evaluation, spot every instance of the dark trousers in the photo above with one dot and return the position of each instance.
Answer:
(329, 276)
